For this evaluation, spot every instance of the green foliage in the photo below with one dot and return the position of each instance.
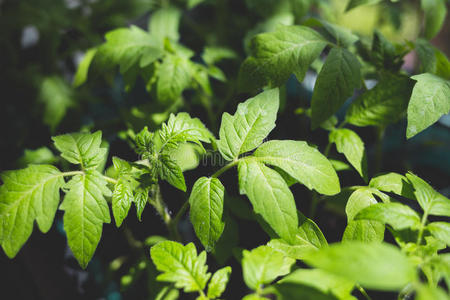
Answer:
(262, 265)
(337, 81)
(246, 129)
(206, 201)
(350, 144)
(276, 55)
(187, 270)
(429, 101)
(385, 267)
(184, 65)
(26, 195)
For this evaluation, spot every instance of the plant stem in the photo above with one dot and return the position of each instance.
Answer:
(110, 180)
(72, 173)
(422, 227)
(159, 204)
(363, 292)
(225, 168)
(173, 225)
(314, 202)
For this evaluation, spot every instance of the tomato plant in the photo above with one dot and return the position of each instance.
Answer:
(228, 149)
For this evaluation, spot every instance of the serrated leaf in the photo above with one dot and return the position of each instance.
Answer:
(85, 211)
(270, 197)
(335, 33)
(83, 68)
(182, 128)
(372, 265)
(57, 96)
(440, 230)
(393, 183)
(164, 23)
(278, 54)
(122, 198)
(206, 201)
(26, 195)
(362, 230)
(218, 282)
(140, 200)
(304, 163)
(181, 265)
(435, 13)
(262, 265)
(432, 60)
(174, 76)
(397, 215)
(386, 103)
(246, 129)
(355, 3)
(430, 100)
(129, 47)
(170, 171)
(323, 281)
(350, 144)
(81, 148)
(309, 237)
(431, 201)
(336, 82)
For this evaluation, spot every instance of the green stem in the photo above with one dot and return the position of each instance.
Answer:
(159, 204)
(363, 292)
(225, 168)
(173, 225)
(72, 173)
(110, 180)
(422, 227)
(314, 202)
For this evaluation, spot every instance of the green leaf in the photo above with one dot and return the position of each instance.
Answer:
(57, 96)
(164, 23)
(254, 297)
(429, 101)
(246, 129)
(218, 282)
(270, 197)
(384, 104)
(355, 3)
(186, 155)
(309, 237)
(291, 290)
(174, 76)
(339, 165)
(276, 55)
(206, 201)
(335, 33)
(140, 200)
(181, 265)
(435, 13)
(81, 148)
(397, 215)
(83, 68)
(168, 293)
(262, 265)
(170, 171)
(26, 195)
(432, 59)
(39, 156)
(372, 265)
(304, 163)
(428, 292)
(85, 211)
(122, 198)
(336, 82)
(431, 201)
(440, 230)
(362, 230)
(182, 128)
(129, 47)
(212, 55)
(321, 280)
(350, 144)
(393, 183)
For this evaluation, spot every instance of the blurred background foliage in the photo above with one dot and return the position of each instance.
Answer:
(42, 44)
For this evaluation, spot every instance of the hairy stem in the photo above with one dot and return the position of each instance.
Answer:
(225, 168)
(363, 292)
(422, 227)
